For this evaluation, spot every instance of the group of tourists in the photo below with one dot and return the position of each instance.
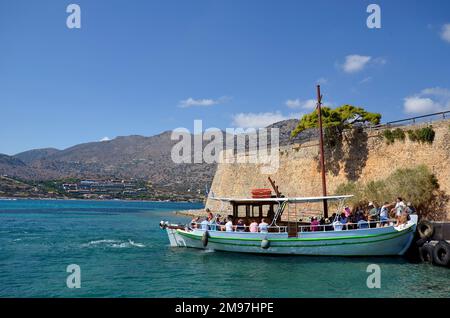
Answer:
(220, 223)
(362, 218)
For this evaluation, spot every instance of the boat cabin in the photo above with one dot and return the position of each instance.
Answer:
(272, 209)
(253, 209)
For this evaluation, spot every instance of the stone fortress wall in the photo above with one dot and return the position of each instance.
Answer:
(370, 158)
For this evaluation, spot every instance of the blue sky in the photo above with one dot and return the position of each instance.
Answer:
(143, 67)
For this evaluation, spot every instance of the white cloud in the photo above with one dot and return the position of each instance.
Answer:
(379, 60)
(436, 91)
(420, 105)
(259, 120)
(445, 33)
(297, 103)
(105, 139)
(355, 63)
(190, 102)
(322, 81)
(293, 103)
(429, 100)
(308, 104)
(365, 80)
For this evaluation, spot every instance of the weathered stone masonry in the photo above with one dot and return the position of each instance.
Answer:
(367, 160)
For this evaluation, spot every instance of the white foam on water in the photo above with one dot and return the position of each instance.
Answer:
(98, 242)
(113, 243)
(136, 244)
(121, 245)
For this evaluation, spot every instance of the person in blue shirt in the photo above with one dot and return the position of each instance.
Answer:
(263, 226)
(204, 225)
(344, 221)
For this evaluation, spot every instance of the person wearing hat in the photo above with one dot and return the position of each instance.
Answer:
(373, 214)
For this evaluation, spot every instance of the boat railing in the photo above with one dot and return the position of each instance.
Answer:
(304, 228)
(345, 226)
(237, 228)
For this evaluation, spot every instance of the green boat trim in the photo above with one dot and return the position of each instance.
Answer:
(181, 232)
(219, 240)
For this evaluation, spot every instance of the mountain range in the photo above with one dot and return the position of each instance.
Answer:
(132, 156)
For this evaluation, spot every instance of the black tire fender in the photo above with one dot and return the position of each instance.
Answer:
(205, 238)
(425, 229)
(421, 242)
(441, 253)
(426, 253)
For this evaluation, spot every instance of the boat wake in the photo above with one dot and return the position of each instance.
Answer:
(113, 243)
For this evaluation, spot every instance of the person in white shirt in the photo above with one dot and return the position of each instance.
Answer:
(399, 207)
(229, 225)
(263, 226)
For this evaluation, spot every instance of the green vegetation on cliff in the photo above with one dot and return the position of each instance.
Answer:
(421, 135)
(342, 117)
(417, 185)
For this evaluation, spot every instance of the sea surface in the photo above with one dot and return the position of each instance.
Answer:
(122, 252)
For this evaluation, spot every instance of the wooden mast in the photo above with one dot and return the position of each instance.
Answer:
(322, 156)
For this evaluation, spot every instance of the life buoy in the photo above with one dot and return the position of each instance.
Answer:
(261, 196)
(261, 193)
(426, 229)
(441, 253)
(265, 244)
(426, 253)
(205, 238)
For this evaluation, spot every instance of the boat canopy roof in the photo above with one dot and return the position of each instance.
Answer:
(279, 200)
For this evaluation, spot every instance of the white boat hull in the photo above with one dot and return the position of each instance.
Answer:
(362, 242)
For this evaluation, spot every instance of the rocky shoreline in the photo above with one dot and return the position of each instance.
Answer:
(192, 212)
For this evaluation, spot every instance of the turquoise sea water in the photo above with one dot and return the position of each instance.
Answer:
(122, 253)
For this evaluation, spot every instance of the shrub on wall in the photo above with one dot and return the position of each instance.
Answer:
(426, 134)
(412, 135)
(423, 135)
(399, 134)
(387, 134)
(392, 135)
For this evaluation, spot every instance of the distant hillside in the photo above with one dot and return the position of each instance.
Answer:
(287, 126)
(13, 166)
(123, 157)
(35, 154)
(8, 185)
